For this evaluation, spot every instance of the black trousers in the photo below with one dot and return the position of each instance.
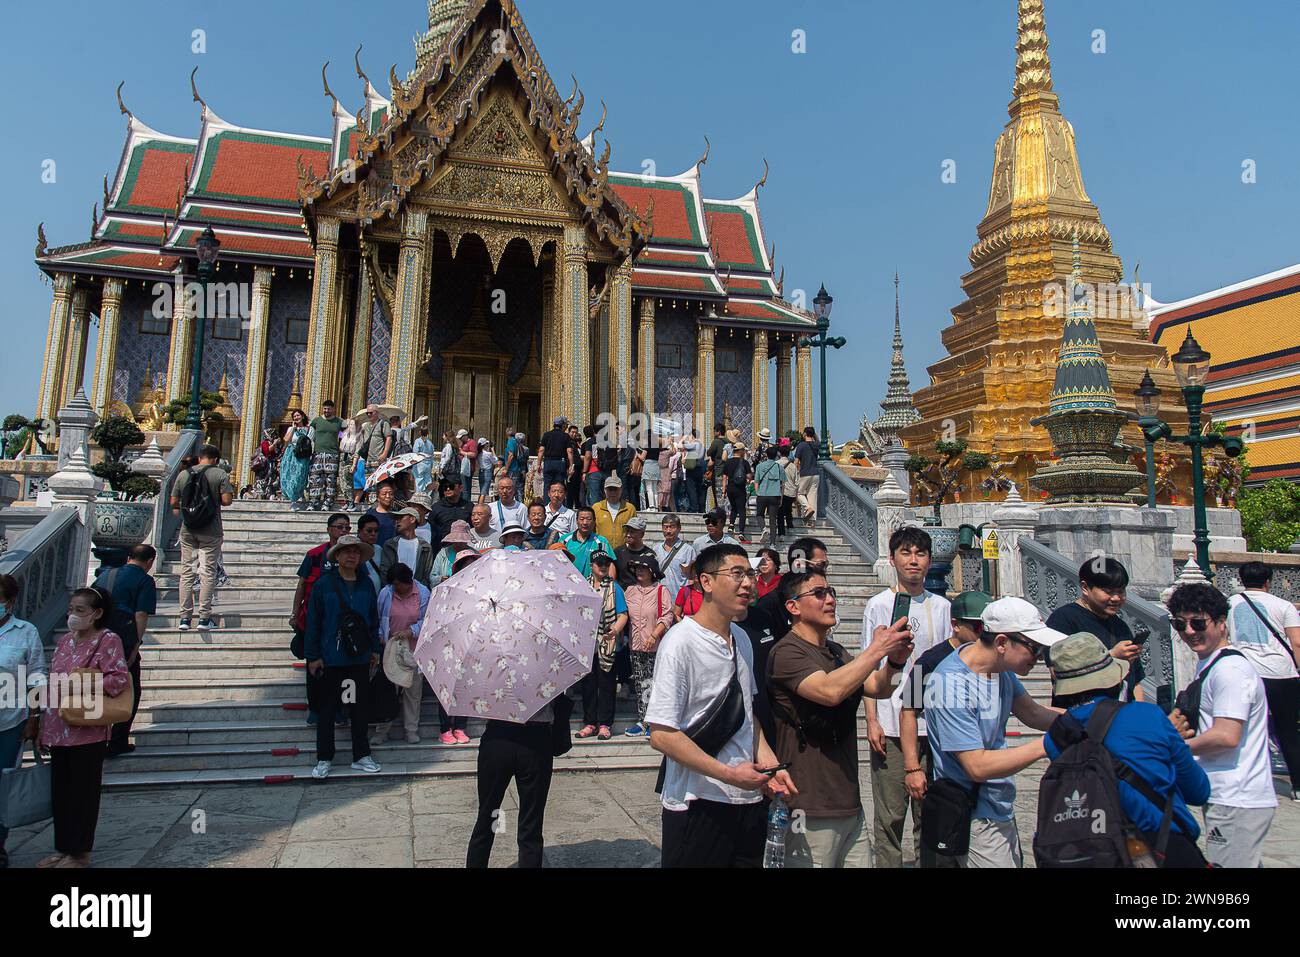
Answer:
(574, 498)
(769, 511)
(786, 514)
(598, 696)
(76, 774)
(447, 723)
(632, 490)
(120, 733)
(739, 501)
(329, 693)
(713, 834)
(522, 752)
(1283, 695)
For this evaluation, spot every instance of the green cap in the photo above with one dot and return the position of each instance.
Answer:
(969, 605)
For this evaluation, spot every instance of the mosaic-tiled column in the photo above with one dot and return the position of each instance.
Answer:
(74, 363)
(410, 293)
(322, 347)
(110, 328)
(546, 347)
(576, 372)
(758, 378)
(704, 380)
(359, 377)
(56, 338)
(803, 405)
(253, 410)
(181, 347)
(783, 423)
(621, 388)
(646, 357)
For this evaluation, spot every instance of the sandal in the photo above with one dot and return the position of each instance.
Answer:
(604, 734)
(586, 732)
(54, 860)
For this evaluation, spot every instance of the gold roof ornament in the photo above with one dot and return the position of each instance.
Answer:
(120, 105)
(194, 90)
(325, 81)
(1033, 66)
(42, 245)
(708, 148)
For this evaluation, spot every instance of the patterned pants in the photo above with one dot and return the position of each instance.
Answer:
(643, 672)
(323, 478)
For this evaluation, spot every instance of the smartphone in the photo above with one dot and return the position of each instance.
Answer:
(770, 771)
(1140, 634)
(902, 607)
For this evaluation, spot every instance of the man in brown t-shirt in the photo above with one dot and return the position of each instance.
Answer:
(815, 687)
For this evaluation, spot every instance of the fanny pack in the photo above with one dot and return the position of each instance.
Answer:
(945, 817)
(717, 725)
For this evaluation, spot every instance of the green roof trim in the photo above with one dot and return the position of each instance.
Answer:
(686, 196)
(213, 148)
(751, 234)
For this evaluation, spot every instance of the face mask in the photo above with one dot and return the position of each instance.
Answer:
(79, 622)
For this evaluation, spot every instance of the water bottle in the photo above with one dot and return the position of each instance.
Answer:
(778, 822)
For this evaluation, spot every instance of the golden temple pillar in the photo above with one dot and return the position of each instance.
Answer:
(783, 423)
(406, 309)
(803, 404)
(646, 358)
(181, 348)
(253, 407)
(56, 337)
(761, 414)
(620, 341)
(359, 377)
(704, 380)
(323, 335)
(74, 362)
(576, 371)
(547, 358)
(110, 328)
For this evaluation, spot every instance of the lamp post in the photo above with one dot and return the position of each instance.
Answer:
(1191, 365)
(208, 248)
(1148, 409)
(822, 310)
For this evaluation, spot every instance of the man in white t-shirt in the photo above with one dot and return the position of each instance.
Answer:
(1266, 629)
(674, 555)
(481, 533)
(507, 509)
(1228, 734)
(930, 621)
(560, 519)
(712, 804)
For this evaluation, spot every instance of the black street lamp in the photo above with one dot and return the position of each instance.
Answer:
(822, 310)
(1192, 365)
(208, 248)
(1148, 410)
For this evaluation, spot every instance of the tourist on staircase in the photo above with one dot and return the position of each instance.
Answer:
(487, 468)
(402, 606)
(323, 477)
(715, 532)
(453, 506)
(77, 751)
(789, 488)
(382, 512)
(694, 462)
(736, 472)
(135, 598)
(423, 504)
(459, 538)
(424, 470)
(718, 456)
(507, 509)
(376, 442)
(634, 547)
(804, 555)
(1103, 583)
(314, 564)
(769, 572)
(650, 615)
(482, 535)
(560, 519)
(584, 542)
(198, 496)
(649, 500)
(573, 486)
(342, 645)
(598, 686)
(556, 453)
(407, 548)
(613, 513)
(368, 532)
(669, 462)
(517, 462)
(768, 476)
(537, 537)
(674, 554)
(805, 454)
(352, 473)
(22, 668)
(296, 465)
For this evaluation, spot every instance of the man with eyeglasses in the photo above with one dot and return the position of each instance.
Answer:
(314, 564)
(814, 687)
(713, 813)
(1228, 732)
(969, 699)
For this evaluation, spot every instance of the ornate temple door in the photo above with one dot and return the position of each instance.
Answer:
(472, 401)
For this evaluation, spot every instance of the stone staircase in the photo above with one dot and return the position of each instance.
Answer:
(229, 705)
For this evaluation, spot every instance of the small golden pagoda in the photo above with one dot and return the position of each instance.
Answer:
(1003, 343)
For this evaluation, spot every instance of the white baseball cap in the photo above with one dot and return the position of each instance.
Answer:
(1015, 616)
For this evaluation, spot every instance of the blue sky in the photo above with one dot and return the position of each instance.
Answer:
(856, 129)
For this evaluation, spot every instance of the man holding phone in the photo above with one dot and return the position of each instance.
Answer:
(1103, 585)
(929, 619)
(814, 687)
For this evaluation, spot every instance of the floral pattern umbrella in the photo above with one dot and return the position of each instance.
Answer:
(508, 635)
(398, 463)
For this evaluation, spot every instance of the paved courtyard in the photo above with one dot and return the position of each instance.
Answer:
(609, 819)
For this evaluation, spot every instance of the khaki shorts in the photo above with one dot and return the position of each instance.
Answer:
(829, 842)
(994, 844)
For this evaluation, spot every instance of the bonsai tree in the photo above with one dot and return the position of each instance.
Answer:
(114, 435)
(941, 477)
(1270, 516)
(21, 431)
(178, 410)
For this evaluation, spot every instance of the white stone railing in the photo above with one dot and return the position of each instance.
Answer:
(46, 565)
(165, 524)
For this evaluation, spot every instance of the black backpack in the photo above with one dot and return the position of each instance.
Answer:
(1189, 699)
(1081, 822)
(199, 505)
(302, 447)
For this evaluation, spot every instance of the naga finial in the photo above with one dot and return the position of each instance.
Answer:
(395, 84)
(604, 112)
(325, 81)
(603, 162)
(572, 96)
(361, 74)
(771, 257)
(107, 203)
(708, 148)
(763, 182)
(120, 105)
(194, 89)
(42, 247)
(94, 219)
(780, 283)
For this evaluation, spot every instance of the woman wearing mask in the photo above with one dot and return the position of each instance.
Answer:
(77, 753)
(293, 468)
(22, 668)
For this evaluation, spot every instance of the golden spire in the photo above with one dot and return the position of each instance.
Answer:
(1033, 67)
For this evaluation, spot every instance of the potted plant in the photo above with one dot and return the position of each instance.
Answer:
(126, 517)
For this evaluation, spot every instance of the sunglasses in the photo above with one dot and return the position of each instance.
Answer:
(1197, 625)
(821, 593)
(1034, 647)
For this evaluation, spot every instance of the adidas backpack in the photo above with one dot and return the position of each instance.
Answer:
(1081, 822)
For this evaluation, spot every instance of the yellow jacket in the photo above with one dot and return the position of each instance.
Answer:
(612, 527)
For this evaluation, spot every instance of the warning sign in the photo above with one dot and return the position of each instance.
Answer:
(991, 544)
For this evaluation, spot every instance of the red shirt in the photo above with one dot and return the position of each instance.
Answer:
(689, 599)
(766, 588)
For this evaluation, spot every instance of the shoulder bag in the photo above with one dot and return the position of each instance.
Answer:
(111, 710)
(354, 631)
(718, 724)
(1286, 645)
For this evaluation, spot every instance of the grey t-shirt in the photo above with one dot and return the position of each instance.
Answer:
(806, 454)
(219, 479)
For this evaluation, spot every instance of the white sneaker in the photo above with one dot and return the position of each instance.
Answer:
(366, 764)
(322, 770)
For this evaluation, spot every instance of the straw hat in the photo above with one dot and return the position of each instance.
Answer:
(351, 541)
